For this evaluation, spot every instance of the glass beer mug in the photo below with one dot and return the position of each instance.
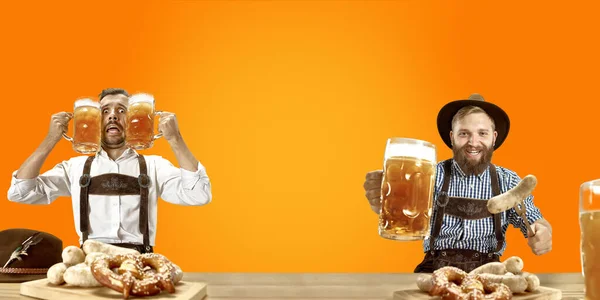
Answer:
(139, 130)
(589, 222)
(87, 131)
(407, 189)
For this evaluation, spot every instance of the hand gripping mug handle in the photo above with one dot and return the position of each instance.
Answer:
(159, 135)
(68, 138)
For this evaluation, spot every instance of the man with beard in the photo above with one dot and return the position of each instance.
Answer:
(463, 233)
(114, 192)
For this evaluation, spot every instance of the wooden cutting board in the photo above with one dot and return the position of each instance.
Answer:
(41, 289)
(543, 293)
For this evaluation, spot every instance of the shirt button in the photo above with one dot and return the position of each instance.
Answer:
(472, 186)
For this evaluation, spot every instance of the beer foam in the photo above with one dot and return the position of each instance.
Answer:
(413, 148)
(141, 97)
(86, 102)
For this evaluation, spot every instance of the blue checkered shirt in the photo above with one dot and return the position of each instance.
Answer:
(478, 235)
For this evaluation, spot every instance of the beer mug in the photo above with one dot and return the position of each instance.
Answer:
(407, 189)
(139, 130)
(589, 222)
(87, 123)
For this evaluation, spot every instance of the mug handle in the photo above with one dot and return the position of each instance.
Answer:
(159, 135)
(68, 138)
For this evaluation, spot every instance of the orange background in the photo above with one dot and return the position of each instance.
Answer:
(289, 104)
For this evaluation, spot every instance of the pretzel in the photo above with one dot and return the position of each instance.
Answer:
(453, 284)
(139, 275)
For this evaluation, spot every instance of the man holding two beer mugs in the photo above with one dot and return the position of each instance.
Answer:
(462, 232)
(114, 190)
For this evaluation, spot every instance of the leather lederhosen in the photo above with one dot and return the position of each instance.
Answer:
(112, 184)
(466, 209)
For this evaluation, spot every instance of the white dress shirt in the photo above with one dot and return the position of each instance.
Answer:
(115, 219)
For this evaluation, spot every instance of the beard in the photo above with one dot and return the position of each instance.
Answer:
(469, 166)
(113, 143)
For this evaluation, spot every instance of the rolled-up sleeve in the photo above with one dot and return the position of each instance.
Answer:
(43, 189)
(183, 187)
(532, 212)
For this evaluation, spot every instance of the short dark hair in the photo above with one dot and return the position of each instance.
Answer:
(112, 91)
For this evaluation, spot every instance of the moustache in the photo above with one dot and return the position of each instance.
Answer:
(476, 148)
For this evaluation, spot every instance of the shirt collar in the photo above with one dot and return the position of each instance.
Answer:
(459, 171)
(126, 154)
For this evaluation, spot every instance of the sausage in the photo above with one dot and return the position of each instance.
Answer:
(178, 274)
(516, 283)
(514, 264)
(90, 246)
(72, 255)
(56, 272)
(496, 268)
(533, 282)
(425, 282)
(89, 259)
(80, 275)
(509, 199)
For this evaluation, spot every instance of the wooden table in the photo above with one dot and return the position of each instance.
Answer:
(242, 286)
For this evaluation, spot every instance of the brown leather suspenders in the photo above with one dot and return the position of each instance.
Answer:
(463, 207)
(114, 184)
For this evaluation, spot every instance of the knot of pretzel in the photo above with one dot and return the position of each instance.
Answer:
(139, 275)
(453, 283)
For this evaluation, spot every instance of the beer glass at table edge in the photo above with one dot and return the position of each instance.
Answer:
(407, 189)
(589, 222)
(139, 129)
(87, 123)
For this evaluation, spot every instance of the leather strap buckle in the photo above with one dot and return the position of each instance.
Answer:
(85, 180)
(443, 195)
(144, 180)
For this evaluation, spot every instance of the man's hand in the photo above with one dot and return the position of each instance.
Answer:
(167, 125)
(541, 242)
(372, 187)
(58, 125)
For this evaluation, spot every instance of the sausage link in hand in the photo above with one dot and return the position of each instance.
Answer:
(509, 199)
